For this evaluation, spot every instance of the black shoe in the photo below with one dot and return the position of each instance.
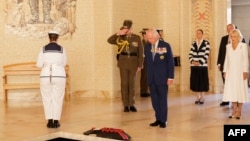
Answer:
(197, 102)
(201, 102)
(50, 123)
(163, 125)
(156, 123)
(126, 109)
(145, 94)
(56, 124)
(133, 109)
(224, 103)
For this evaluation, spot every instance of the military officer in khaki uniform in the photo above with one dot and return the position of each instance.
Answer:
(143, 82)
(130, 62)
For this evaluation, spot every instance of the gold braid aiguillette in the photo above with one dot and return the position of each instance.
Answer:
(121, 44)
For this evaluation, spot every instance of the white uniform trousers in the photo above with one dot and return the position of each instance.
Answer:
(52, 96)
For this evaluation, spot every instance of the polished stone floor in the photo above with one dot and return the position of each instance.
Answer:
(24, 119)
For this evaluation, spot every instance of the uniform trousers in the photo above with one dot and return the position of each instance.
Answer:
(128, 79)
(143, 81)
(159, 98)
(52, 96)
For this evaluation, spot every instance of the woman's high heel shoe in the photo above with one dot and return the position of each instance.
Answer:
(201, 102)
(233, 116)
(238, 116)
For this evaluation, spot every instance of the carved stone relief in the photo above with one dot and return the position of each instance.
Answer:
(34, 18)
(201, 14)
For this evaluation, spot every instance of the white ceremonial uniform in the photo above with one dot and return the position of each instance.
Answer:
(52, 60)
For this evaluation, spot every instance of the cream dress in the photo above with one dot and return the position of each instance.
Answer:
(236, 62)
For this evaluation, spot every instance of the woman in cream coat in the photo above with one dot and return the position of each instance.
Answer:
(236, 73)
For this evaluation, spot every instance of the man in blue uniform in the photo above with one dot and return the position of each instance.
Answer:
(160, 70)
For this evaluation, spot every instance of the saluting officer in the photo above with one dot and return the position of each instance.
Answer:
(52, 60)
(130, 61)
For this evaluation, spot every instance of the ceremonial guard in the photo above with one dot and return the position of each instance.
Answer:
(52, 60)
(130, 61)
(143, 81)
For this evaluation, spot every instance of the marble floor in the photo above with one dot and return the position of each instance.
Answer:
(23, 120)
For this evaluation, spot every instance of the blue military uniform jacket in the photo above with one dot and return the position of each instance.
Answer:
(162, 67)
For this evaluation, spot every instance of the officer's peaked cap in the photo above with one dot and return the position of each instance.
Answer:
(144, 31)
(159, 29)
(53, 32)
(127, 24)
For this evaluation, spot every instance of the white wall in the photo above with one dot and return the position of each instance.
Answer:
(241, 18)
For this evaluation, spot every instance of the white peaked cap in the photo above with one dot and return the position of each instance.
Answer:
(53, 32)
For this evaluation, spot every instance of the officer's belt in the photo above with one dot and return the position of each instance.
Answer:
(129, 54)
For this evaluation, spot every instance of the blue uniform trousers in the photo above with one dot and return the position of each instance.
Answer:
(159, 97)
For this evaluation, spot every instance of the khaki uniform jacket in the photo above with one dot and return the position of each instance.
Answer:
(135, 47)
